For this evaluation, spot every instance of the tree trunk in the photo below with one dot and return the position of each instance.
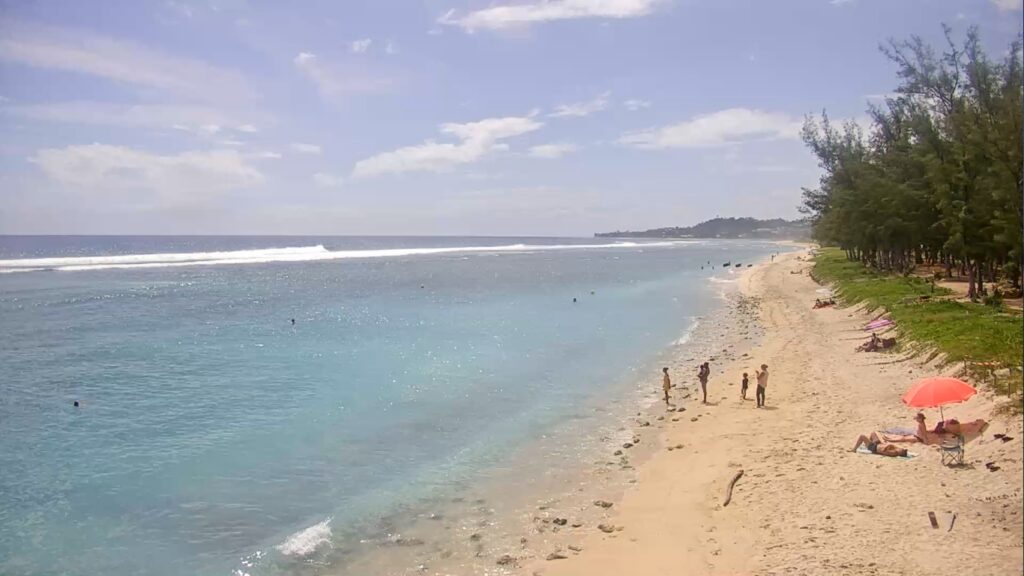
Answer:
(971, 289)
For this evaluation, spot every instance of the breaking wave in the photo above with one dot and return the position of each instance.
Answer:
(264, 255)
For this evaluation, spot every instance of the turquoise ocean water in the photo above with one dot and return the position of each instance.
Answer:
(211, 429)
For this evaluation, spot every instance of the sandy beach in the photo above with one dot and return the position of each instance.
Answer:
(805, 503)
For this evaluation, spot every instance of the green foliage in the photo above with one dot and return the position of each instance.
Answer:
(963, 331)
(938, 177)
(726, 228)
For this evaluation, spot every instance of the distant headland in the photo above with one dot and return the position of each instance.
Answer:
(776, 229)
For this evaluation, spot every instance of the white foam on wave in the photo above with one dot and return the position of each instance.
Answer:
(688, 333)
(306, 541)
(295, 254)
(718, 280)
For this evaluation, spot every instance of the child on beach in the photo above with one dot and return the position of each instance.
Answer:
(666, 383)
(743, 386)
(762, 383)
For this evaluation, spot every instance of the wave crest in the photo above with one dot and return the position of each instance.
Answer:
(265, 255)
(306, 541)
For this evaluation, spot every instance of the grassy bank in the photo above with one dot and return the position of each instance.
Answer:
(964, 332)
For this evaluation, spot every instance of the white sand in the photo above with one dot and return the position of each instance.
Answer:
(806, 504)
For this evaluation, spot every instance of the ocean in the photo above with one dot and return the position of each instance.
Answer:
(256, 405)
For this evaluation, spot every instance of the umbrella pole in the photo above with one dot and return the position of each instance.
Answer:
(940, 414)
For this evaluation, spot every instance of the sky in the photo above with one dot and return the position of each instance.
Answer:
(433, 117)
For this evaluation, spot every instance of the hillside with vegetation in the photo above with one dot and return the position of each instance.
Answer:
(935, 183)
(778, 229)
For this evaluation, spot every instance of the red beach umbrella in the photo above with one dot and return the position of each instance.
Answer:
(937, 392)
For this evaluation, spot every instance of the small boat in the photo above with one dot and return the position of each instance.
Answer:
(737, 264)
(729, 263)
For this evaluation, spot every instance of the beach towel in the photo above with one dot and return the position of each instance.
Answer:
(878, 324)
(863, 450)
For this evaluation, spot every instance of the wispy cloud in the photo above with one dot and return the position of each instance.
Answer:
(717, 129)
(102, 167)
(328, 180)
(203, 120)
(306, 148)
(119, 61)
(390, 47)
(331, 81)
(633, 105)
(582, 108)
(475, 141)
(539, 11)
(360, 46)
(1009, 5)
(551, 151)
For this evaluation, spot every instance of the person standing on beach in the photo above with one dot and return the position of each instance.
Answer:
(762, 383)
(743, 386)
(666, 383)
(702, 375)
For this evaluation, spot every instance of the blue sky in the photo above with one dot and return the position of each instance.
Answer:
(504, 117)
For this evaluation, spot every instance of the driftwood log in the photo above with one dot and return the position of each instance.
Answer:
(728, 493)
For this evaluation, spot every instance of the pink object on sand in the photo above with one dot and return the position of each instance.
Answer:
(878, 324)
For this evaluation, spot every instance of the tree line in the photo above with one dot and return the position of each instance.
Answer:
(936, 179)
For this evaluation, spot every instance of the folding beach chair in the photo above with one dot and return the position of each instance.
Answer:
(953, 451)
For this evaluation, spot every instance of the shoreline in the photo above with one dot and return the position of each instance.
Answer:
(506, 520)
(805, 503)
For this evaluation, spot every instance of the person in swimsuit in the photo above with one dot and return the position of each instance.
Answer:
(874, 445)
(666, 383)
(743, 386)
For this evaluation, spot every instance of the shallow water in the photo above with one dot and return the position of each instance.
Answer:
(214, 435)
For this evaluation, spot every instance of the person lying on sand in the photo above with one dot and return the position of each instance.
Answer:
(922, 434)
(875, 446)
(943, 431)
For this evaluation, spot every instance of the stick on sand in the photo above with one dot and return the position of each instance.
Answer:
(728, 493)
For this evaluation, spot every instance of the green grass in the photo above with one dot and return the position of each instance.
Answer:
(963, 331)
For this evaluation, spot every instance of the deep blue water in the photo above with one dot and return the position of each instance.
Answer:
(211, 427)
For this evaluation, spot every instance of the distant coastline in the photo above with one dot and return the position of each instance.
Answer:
(738, 228)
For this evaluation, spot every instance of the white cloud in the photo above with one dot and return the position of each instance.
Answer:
(550, 151)
(1009, 5)
(247, 128)
(102, 167)
(332, 82)
(121, 61)
(717, 129)
(268, 155)
(539, 11)
(360, 46)
(327, 180)
(840, 2)
(390, 48)
(305, 148)
(153, 116)
(475, 141)
(634, 105)
(582, 108)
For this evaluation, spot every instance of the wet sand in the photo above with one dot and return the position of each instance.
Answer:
(805, 503)
(542, 500)
(645, 497)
